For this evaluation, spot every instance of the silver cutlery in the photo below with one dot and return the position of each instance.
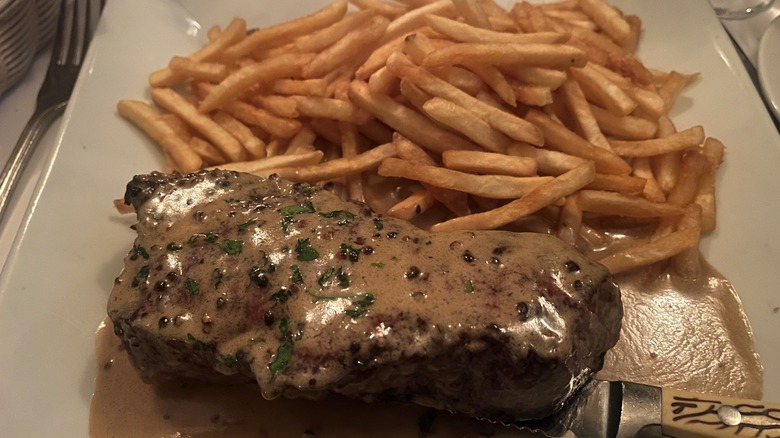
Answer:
(75, 28)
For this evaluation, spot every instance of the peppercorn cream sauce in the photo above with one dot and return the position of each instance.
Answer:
(709, 351)
(690, 336)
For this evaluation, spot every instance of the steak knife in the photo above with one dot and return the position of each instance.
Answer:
(623, 409)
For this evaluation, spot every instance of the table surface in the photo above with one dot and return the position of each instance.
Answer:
(18, 104)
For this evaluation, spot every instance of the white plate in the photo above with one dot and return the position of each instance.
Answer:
(54, 288)
(769, 65)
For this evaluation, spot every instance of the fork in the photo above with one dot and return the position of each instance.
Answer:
(76, 25)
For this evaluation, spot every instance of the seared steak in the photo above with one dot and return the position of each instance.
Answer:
(234, 277)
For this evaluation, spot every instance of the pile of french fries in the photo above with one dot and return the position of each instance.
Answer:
(506, 118)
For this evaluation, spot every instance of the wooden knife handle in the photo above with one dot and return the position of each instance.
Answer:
(689, 415)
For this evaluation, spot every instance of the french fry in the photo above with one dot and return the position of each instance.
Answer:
(242, 133)
(198, 70)
(509, 124)
(275, 162)
(575, 101)
(691, 137)
(242, 79)
(234, 32)
(301, 142)
(625, 184)
(178, 125)
(545, 77)
(559, 56)
(383, 82)
(489, 163)
(466, 33)
(263, 119)
(570, 221)
(543, 195)
(673, 86)
(713, 150)
(662, 248)
(413, 205)
(666, 166)
(488, 186)
(623, 127)
(616, 204)
(350, 147)
(472, 13)
(149, 120)
(415, 18)
(347, 48)
(495, 80)
(327, 108)
(282, 106)
(283, 33)
(176, 104)
(455, 201)
(548, 162)
(387, 9)
(467, 123)
(327, 36)
(340, 167)
(608, 19)
(499, 18)
(560, 138)
(652, 191)
(207, 151)
(307, 87)
(406, 121)
(600, 90)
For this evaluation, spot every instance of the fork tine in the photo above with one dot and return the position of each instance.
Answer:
(62, 39)
(80, 32)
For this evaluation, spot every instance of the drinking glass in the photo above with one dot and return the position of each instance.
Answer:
(739, 9)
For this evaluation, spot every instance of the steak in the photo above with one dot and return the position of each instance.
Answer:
(234, 278)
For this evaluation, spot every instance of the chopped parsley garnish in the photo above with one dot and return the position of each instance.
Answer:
(286, 222)
(378, 265)
(284, 352)
(210, 237)
(137, 251)
(192, 286)
(202, 345)
(142, 275)
(281, 295)
(345, 216)
(341, 275)
(360, 305)
(291, 210)
(305, 251)
(325, 276)
(378, 223)
(317, 298)
(247, 224)
(350, 252)
(232, 247)
(343, 278)
(306, 189)
(297, 277)
(228, 360)
(469, 287)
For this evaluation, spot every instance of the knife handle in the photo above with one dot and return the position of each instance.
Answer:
(689, 415)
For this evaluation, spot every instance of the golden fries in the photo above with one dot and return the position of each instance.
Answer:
(536, 117)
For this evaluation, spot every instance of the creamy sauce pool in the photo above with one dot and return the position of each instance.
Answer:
(686, 335)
